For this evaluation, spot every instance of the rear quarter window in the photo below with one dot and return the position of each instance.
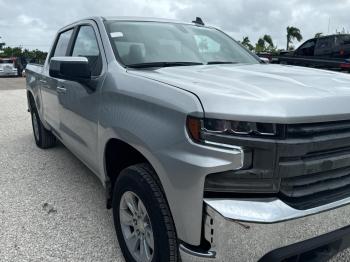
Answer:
(343, 40)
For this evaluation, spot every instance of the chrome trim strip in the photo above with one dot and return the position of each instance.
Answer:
(207, 254)
(244, 153)
(223, 145)
(270, 210)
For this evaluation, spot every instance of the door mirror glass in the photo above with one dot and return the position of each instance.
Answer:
(70, 68)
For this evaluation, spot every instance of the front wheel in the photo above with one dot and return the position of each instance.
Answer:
(144, 226)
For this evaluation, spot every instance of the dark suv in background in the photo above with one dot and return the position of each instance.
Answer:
(332, 52)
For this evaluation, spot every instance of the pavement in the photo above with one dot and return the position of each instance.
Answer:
(52, 208)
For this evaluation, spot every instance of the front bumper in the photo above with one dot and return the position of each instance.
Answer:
(250, 230)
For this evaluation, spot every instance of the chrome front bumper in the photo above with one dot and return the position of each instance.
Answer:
(246, 230)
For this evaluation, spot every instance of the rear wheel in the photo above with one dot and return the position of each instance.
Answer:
(43, 137)
(142, 218)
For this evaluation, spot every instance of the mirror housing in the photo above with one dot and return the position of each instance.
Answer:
(70, 68)
(265, 60)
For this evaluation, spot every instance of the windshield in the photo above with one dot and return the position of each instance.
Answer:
(173, 44)
(6, 61)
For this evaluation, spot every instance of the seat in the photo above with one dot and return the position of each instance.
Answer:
(134, 56)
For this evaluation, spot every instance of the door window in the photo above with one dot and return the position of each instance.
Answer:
(307, 49)
(324, 43)
(62, 43)
(86, 46)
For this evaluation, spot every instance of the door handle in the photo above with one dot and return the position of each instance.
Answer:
(61, 89)
(43, 81)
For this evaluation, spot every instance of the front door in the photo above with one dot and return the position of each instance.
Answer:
(79, 102)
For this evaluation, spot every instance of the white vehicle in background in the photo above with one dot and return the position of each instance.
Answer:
(7, 67)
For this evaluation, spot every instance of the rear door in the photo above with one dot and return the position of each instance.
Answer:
(324, 47)
(79, 103)
(51, 86)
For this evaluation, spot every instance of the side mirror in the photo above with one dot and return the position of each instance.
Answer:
(265, 60)
(70, 68)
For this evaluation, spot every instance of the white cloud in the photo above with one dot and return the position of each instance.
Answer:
(33, 23)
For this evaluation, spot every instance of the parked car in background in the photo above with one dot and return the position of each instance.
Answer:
(206, 152)
(7, 67)
(330, 52)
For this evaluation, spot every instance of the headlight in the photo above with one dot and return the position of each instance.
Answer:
(196, 126)
(240, 127)
(256, 175)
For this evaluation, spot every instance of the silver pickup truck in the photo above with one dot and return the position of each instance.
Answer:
(206, 152)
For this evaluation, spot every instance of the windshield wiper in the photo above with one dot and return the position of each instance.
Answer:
(163, 64)
(220, 62)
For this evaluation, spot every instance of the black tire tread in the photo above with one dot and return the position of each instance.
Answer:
(149, 175)
(46, 138)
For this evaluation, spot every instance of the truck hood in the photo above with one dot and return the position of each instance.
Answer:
(262, 92)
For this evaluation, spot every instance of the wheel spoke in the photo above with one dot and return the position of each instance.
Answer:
(141, 209)
(149, 237)
(126, 218)
(133, 242)
(148, 250)
(131, 203)
(142, 250)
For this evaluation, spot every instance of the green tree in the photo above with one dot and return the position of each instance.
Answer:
(35, 56)
(268, 40)
(2, 44)
(260, 45)
(246, 43)
(12, 51)
(265, 44)
(293, 33)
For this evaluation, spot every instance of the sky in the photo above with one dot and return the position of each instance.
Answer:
(33, 23)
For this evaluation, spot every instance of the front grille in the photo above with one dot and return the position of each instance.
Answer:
(316, 129)
(308, 191)
(308, 166)
(316, 178)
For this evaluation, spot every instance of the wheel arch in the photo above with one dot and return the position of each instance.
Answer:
(118, 155)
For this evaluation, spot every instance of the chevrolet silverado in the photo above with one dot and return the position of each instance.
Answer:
(206, 152)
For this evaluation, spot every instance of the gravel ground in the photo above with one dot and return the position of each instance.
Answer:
(52, 208)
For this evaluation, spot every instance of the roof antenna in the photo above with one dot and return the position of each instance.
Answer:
(198, 21)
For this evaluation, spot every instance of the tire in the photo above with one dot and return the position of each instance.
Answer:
(138, 182)
(43, 137)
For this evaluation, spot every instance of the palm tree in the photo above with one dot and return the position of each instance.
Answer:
(264, 43)
(1, 44)
(317, 35)
(246, 42)
(260, 45)
(293, 33)
(268, 40)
